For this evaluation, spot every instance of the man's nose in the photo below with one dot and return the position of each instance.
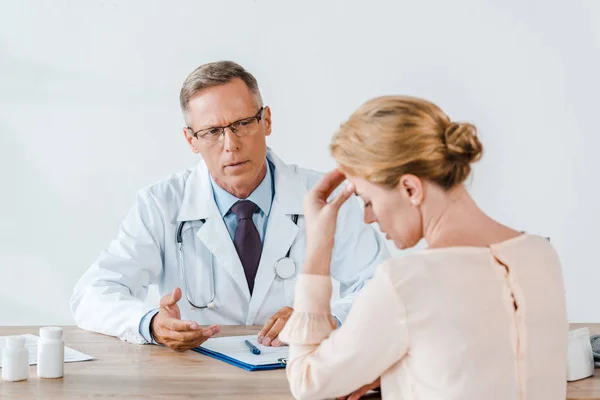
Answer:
(230, 141)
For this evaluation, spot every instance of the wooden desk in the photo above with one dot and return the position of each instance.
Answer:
(125, 370)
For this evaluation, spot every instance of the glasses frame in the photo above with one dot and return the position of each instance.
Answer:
(258, 116)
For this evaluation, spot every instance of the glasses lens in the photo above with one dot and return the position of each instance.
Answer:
(211, 135)
(245, 127)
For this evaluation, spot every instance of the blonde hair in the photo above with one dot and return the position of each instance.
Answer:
(390, 136)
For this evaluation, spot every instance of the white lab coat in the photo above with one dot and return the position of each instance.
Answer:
(109, 298)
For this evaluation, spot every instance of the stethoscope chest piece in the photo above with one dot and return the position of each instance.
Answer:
(285, 268)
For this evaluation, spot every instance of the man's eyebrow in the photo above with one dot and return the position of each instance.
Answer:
(211, 126)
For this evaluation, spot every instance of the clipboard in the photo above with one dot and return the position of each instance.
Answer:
(233, 350)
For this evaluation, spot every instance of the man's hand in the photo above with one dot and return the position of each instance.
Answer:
(167, 327)
(268, 335)
(363, 390)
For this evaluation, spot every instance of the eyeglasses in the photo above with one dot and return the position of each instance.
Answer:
(240, 128)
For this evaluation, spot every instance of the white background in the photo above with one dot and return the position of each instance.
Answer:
(89, 113)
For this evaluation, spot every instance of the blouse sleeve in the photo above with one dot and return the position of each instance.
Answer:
(327, 363)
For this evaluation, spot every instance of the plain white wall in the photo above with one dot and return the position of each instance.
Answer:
(89, 113)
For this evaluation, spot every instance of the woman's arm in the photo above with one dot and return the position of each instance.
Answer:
(325, 363)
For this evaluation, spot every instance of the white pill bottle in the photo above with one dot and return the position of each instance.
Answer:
(51, 353)
(15, 359)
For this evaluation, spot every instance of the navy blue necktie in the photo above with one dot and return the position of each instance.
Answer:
(247, 239)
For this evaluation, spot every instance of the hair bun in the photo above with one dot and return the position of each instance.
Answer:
(462, 143)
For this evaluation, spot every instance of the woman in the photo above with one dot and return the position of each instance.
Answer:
(479, 314)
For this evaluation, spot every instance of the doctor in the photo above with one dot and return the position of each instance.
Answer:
(224, 241)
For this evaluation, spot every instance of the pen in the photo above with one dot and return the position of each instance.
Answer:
(252, 348)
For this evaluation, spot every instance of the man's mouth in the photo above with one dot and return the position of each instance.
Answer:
(235, 164)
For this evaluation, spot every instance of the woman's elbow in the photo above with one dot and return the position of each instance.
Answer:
(302, 384)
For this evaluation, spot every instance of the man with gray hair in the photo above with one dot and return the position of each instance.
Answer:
(224, 241)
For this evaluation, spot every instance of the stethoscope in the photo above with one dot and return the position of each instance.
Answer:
(285, 268)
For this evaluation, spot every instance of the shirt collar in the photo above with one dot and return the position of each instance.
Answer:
(262, 196)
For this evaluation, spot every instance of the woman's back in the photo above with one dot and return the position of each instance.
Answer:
(481, 322)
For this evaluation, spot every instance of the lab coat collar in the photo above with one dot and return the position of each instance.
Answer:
(198, 197)
(290, 187)
(262, 196)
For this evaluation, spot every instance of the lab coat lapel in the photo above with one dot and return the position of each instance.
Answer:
(215, 236)
(281, 230)
(280, 234)
(198, 199)
(199, 203)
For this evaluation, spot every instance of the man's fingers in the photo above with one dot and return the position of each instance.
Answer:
(165, 301)
(175, 324)
(171, 298)
(327, 184)
(211, 330)
(175, 296)
(263, 332)
(186, 339)
(274, 332)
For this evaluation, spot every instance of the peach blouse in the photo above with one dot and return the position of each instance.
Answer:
(448, 323)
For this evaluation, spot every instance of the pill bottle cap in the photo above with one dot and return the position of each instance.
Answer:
(15, 342)
(50, 333)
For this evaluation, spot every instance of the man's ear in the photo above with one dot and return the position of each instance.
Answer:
(190, 139)
(267, 119)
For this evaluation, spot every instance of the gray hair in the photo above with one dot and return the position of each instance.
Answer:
(215, 74)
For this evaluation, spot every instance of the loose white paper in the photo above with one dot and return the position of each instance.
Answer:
(31, 344)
